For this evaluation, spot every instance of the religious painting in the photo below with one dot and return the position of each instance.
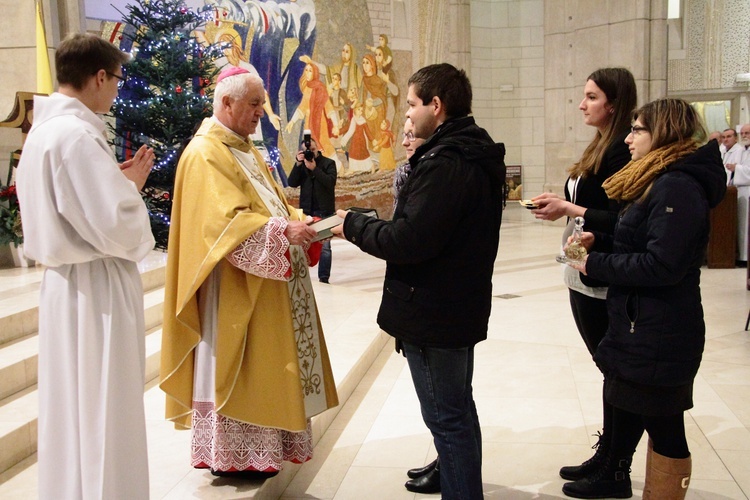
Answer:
(323, 72)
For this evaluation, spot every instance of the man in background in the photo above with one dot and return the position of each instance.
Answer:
(716, 136)
(737, 164)
(733, 153)
(315, 175)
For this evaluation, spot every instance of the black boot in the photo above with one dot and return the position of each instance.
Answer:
(590, 466)
(610, 481)
(428, 483)
(421, 471)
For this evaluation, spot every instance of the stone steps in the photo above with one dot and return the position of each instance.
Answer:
(19, 347)
(353, 340)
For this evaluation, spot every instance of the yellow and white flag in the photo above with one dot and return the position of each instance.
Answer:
(43, 73)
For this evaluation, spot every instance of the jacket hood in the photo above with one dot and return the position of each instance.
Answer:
(705, 166)
(464, 134)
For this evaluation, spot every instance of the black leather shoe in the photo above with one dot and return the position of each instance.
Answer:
(421, 471)
(429, 483)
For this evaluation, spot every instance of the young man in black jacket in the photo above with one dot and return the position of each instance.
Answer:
(440, 249)
(315, 175)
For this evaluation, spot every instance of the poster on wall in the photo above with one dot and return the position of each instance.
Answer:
(513, 179)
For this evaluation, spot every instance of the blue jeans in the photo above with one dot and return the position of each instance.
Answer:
(324, 265)
(442, 379)
(326, 257)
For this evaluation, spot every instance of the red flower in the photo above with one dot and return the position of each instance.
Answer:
(8, 192)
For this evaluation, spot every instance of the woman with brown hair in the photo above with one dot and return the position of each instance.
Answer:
(608, 102)
(654, 344)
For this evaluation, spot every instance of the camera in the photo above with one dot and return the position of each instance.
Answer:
(309, 155)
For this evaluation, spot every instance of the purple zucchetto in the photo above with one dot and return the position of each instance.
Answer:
(230, 71)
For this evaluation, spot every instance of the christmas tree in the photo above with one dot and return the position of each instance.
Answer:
(165, 96)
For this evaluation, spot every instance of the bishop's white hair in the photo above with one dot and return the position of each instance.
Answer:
(235, 86)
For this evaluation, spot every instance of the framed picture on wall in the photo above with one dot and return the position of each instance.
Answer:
(513, 178)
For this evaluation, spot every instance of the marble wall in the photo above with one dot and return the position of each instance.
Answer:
(17, 43)
(508, 77)
(527, 60)
(579, 37)
(18, 55)
(708, 48)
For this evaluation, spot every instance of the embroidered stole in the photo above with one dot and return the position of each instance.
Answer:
(302, 301)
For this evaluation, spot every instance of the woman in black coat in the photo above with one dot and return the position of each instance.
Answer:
(653, 347)
(608, 103)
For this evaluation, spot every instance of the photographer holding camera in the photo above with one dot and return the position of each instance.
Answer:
(315, 175)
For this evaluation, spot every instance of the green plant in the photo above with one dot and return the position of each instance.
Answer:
(10, 216)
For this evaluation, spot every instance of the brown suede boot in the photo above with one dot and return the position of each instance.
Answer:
(648, 458)
(667, 478)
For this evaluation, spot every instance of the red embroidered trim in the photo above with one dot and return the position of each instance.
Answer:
(224, 444)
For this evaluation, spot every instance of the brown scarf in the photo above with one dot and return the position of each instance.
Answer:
(633, 179)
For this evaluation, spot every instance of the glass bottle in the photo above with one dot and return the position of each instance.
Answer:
(574, 251)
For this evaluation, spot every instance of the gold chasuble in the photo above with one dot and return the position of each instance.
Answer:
(267, 331)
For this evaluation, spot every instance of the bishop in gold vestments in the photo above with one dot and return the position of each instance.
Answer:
(243, 360)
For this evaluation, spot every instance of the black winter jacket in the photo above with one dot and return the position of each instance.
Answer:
(441, 244)
(656, 330)
(317, 192)
(601, 212)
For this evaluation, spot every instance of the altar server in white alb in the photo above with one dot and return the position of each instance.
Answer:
(84, 219)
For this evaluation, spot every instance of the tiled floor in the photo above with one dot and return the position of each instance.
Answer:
(536, 388)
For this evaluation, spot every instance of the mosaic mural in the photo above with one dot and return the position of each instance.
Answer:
(323, 72)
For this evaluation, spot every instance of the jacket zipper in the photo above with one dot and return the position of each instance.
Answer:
(637, 310)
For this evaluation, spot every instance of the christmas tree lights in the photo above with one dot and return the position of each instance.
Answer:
(166, 95)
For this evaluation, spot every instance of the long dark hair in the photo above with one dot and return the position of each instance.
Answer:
(618, 85)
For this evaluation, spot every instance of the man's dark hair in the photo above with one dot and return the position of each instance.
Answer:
(81, 55)
(446, 82)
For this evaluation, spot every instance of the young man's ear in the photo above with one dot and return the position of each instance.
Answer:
(438, 110)
(100, 77)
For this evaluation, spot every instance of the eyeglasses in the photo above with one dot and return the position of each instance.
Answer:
(121, 78)
(409, 136)
(635, 129)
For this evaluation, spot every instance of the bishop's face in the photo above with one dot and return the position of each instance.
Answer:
(245, 113)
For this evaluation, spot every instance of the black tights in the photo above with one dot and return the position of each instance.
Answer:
(667, 434)
(590, 315)
(607, 416)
